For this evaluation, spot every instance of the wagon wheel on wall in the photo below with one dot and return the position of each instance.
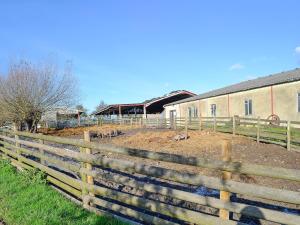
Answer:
(274, 119)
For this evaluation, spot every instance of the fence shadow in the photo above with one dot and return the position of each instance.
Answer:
(251, 220)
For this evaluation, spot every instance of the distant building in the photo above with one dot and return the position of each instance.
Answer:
(273, 96)
(149, 108)
(53, 117)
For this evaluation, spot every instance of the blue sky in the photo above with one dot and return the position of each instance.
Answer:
(128, 51)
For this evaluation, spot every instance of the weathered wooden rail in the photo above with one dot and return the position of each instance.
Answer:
(76, 166)
(286, 134)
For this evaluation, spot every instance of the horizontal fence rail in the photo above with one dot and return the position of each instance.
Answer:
(76, 167)
(284, 133)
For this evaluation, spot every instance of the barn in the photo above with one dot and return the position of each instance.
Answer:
(152, 108)
(276, 96)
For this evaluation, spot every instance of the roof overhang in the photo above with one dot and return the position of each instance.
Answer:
(117, 107)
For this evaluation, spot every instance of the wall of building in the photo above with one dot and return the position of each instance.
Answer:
(285, 103)
(169, 108)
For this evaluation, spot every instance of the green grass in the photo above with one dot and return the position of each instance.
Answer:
(26, 199)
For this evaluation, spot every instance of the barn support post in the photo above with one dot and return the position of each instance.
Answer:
(288, 136)
(145, 112)
(224, 195)
(86, 179)
(258, 130)
(120, 115)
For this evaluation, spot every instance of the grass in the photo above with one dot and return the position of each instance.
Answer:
(26, 199)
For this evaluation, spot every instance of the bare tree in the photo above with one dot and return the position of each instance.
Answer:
(29, 90)
(101, 105)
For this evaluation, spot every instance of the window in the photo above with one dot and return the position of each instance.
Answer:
(248, 107)
(192, 112)
(298, 102)
(213, 109)
(195, 112)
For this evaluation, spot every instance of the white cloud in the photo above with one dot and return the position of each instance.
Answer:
(297, 50)
(236, 66)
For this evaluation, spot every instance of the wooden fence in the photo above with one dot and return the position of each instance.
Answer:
(79, 168)
(286, 133)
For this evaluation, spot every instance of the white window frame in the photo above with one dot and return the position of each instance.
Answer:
(213, 112)
(192, 112)
(247, 104)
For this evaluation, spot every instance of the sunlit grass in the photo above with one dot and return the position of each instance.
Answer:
(26, 199)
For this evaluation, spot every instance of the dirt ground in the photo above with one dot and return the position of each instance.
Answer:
(204, 144)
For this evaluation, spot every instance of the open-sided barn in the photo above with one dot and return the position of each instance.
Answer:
(275, 96)
(149, 108)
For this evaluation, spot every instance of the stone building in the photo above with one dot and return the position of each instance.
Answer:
(273, 96)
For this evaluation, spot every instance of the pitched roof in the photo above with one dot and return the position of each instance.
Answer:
(173, 93)
(278, 78)
(148, 102)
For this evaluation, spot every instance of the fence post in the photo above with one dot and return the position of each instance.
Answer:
(258, 130)
(200, 122)
(288, 135)
(233, 126)
(86, 178)
(131, 122)
(17, 144)
(186, 127)
(42, 161)
(224, 195)
(174, 123)
(215, 124)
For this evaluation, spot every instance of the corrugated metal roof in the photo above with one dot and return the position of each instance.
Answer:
(278, 78)
(177, 92)
(148, 102)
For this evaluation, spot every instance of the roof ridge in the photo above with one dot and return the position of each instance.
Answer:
(259, 82)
